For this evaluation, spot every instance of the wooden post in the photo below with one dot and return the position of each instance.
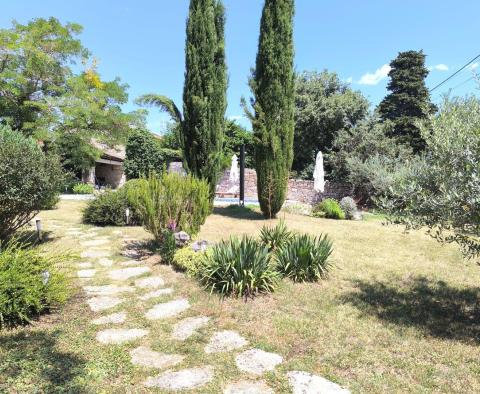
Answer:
(242, 176)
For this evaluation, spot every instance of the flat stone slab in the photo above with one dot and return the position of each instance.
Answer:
(257, 362)
(130, 263)
(108, 290)
(225, 341)
(152, 282)
(182, 380)
(86, 273)
(146, 357)
(104, 262)
(306, 383)
(248, 387)
(167, 309)
(117, 336)
(189, 326)
(85, 265)
(95, 242)
(127, 273)
(155, 294)
(94, 254)
(115, 318)
(102, 303)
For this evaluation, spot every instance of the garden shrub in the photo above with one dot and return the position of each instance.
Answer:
(274, 237)
(304, 258)
(108, 209)
(349, 206)
(29, 180)
(30, 283)
(239, 267)
(83, 188)
(171, 201)
(186, 259)
(331, 208)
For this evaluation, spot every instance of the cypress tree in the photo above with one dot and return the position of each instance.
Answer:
(204, 94)
(409, 98)
(273, 87)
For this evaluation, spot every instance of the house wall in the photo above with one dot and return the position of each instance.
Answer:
(109, 175)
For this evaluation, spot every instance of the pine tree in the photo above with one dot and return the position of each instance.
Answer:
(409, 100)
(204, 94)
(272, 84)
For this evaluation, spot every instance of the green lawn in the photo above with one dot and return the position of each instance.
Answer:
(400, 313)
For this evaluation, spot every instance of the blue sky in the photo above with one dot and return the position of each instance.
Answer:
(142, 41)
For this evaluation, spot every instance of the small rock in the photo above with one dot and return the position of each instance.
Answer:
(248, 387)
(357, 216)
(182, 380)
(102, 303)
(148, 358)
(155, 294)
(115, 318)
(104, 262)
(127, 273)
(225, 341)
(118, 336)
(187, 327)
(200, 246)
(303, 382)
(151, 282)
(181, 238)
(257, 362)
(167, 309)
(86, 273)
(108, 290)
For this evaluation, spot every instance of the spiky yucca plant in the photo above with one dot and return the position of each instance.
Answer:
(274, 237)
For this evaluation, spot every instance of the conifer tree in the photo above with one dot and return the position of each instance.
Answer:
(272, 84)
(409, 98)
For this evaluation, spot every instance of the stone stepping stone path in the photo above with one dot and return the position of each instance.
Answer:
(305, 383)
(257, 362)
(253, 362)
(115, 318)
(155, 294)
(127, 273)
(117, 336)
(86, 274)
(185, 379)
(151, 282)
(167, 309)
(108, 290)
(248, 387)
(102, 303)
(189, 326)
(146, 357)
(225, 341)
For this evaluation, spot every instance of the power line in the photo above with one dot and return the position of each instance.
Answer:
(455, 73)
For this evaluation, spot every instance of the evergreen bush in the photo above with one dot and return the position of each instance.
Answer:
(329, 208)
(83, 188)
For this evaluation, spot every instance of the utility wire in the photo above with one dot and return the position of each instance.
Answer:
(455, 73)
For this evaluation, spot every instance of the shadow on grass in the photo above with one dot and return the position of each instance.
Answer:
(434, 307)
(33, 358)
(238, 212)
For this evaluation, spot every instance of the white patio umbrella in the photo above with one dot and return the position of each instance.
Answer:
(319, 174)
(234, 170)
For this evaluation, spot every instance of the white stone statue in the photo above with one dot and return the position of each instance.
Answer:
(234, 170)
(319, 174)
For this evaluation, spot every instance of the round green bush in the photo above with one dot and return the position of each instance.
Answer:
(186, 259)
(304, 258)
(30, 283)
(29, 180)
(331, 208)
(240, 268)
(349, 206)
(83, 188)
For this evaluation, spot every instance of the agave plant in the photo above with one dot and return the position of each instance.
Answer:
(305, 258)
(275, 237)
(239, 267)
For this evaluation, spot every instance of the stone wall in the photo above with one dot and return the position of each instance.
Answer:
(298, 189)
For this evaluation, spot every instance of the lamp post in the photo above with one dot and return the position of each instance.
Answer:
(242, 176)
(38, 224)
(127, 216)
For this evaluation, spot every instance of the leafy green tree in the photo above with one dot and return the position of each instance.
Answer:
(273, 87)
(442, 191)
(409, 98)
(204, 94)
(324, 105)
(34, 61)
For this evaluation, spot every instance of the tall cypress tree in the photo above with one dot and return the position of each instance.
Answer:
(273, 87)
(409, 100)
(204, 94)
